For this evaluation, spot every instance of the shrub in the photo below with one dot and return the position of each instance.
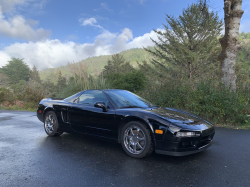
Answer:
(205, 98)
(6, 94)
(132, 81)
(78, 84)
(33, 92)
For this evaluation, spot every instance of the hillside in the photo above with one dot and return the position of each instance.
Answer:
(96, 64)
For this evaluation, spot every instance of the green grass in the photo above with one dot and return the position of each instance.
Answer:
(237, 126)
(16, 108)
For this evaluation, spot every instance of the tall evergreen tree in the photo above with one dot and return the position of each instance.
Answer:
(34, 75)
(16, 70)
(61, 81)
(117, 64)
(189, 44)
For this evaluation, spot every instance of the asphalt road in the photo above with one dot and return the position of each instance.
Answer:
(29, 158)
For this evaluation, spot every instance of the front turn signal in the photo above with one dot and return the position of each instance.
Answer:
(157, 131)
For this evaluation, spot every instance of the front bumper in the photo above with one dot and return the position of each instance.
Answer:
(172, 153)
(184, 146)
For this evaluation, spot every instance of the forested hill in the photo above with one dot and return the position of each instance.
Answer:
(96, 64)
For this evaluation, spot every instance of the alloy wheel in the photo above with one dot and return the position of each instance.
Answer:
(134, 139)
(49, 124)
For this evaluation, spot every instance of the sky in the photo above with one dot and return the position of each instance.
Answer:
(51, 33)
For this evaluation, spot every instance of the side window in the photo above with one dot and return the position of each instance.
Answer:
(91, 97)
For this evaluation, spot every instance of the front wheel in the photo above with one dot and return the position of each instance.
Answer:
(136, 139)
(51, 125)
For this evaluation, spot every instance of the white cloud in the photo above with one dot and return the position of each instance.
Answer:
(4, 58)
(18, 27)
(54, 53)
(120, 43)
(89, 21)
(40, 5)
(8, 5)
(144, 41)
(104, 6)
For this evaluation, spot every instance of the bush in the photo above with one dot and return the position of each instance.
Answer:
(206, 98)
(83, 83)
(33, 92)
(132, 81)
(6, 94)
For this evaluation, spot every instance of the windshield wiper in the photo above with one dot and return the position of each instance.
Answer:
(131, 106)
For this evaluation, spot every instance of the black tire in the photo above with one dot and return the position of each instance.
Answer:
(51, 125)
(139, 144)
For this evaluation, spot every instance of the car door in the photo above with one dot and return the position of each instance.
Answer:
(85, 118)
(61, 111)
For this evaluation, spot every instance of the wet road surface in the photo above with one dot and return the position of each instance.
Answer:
(29, 158)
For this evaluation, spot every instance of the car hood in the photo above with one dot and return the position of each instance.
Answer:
(182, 119)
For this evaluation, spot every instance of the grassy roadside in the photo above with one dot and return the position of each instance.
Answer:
(246, 127)
(17, 108)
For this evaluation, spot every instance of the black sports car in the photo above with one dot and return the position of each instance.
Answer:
(124, 117)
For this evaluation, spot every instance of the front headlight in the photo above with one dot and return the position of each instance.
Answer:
(187, 134)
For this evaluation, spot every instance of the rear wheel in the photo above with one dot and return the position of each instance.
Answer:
(136, 139)
(51, 125)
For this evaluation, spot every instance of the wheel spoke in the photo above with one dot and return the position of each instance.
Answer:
(132, 132)
(140, 139)
(137, 131)
(134, 148)
(127, 136)
(129, 144)
(139, 145)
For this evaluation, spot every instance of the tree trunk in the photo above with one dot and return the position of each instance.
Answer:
(229, 43)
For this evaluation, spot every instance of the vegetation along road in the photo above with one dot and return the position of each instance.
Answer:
(28, 157)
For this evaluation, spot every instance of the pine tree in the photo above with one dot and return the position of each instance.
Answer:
(16, 70)
(118, 64)
(61, 81)
(34, 75)
(189, 43)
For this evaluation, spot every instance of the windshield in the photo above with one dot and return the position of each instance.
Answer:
(126, 99)
(71, 98)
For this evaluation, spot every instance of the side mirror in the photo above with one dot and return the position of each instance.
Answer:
(101, 105)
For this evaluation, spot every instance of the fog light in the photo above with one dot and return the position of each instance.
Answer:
(186, 134)
(40, 111)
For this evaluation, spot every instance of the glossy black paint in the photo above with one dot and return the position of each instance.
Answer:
(106, 122)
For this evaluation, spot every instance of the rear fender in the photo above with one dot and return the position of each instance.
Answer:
(47, 109)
